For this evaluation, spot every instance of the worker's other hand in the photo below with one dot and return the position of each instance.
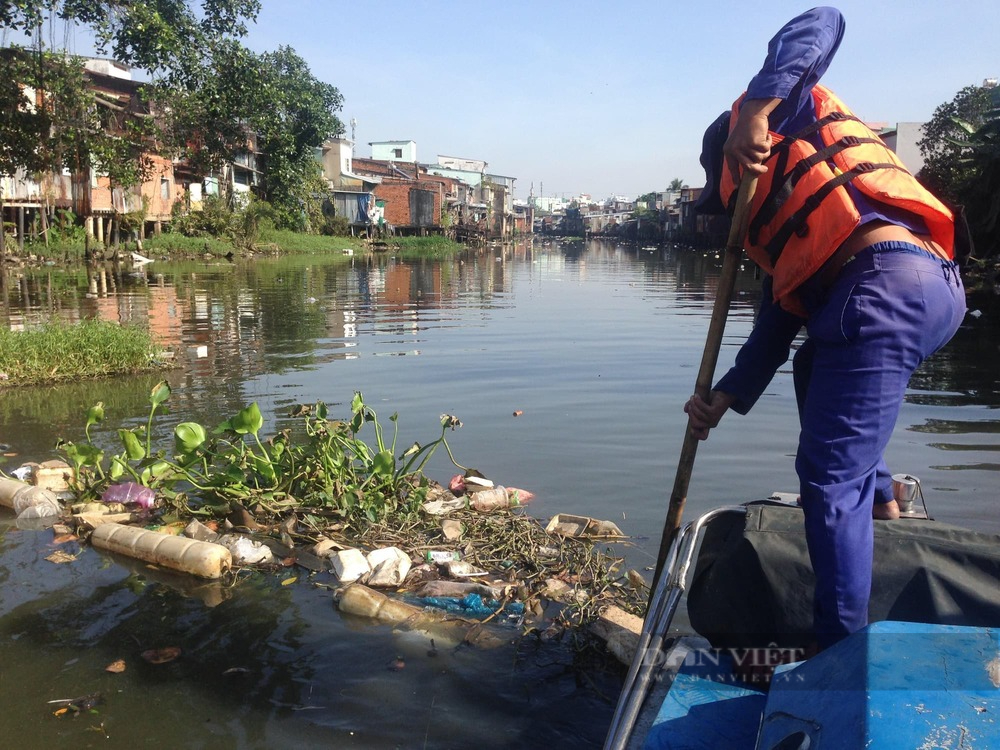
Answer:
(703, 416)
(749, 142)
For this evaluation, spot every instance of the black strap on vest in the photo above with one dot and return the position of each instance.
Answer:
(814, 127)
(780, 153)
(776, 198)
(783, 185)
(796, 223)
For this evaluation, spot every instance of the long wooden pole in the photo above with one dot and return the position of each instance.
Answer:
(713, 343)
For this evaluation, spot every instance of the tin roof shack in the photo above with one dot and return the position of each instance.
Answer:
(235, 181)
(88, 192)
(695, 229)
(411, 207)
(468, 203)
(120, 102)
(29, 199)
(412, 200)
(500, 197)
(382, 168)
(524, 219)
(492, 191)
(669, 201)
(605, 221)
(352, 195)
(453, 195)
(244, 174)
(25, 197)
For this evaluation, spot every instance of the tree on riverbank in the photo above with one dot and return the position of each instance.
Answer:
(298, 115)
(207, 97)
(961, 148)
(944, 144)
(980, 191)
(274, 96)
(169, 40)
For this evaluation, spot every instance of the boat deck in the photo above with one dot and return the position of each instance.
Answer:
(893, 686)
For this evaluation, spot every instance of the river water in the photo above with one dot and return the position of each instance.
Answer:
(595, 345)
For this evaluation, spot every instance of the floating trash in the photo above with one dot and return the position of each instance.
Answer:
(474, 606)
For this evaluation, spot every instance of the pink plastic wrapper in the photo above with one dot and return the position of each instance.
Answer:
(128, 493)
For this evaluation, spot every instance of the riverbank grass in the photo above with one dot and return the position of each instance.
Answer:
(58, 352)
(433, 246)
(174, 245)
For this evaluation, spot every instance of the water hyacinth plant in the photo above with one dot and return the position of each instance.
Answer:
(325, 465)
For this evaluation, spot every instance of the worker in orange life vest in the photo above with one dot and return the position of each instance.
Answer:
(858, 252)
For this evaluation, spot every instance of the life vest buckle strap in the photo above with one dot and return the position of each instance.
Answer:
(811, 203)
(796, 222)
(783, 187)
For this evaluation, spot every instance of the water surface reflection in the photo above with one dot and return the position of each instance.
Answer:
(596, 344)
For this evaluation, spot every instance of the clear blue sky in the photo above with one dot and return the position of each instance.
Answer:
(603, 97)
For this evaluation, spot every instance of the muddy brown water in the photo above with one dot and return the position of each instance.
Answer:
(595, 344)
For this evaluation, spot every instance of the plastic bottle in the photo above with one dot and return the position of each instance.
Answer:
(366, 602)
(204, 559)
(461, 569)
(130, 492)
(494, 499)
(362, 601)
(442, 556)
(27, 500)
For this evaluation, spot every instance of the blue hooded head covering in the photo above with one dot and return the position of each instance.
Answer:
(712, 160)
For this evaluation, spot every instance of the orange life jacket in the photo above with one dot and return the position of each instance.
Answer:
(802, 211)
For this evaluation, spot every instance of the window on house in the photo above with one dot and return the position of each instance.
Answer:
(164, 189)
(397, 153)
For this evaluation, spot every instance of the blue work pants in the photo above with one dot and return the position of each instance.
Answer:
(890, 307)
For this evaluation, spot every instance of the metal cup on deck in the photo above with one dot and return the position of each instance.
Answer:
(905, 489)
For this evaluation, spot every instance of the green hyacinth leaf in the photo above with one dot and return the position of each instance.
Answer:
(160, 393)
(188, 437)
(133, 446)
(248, 421)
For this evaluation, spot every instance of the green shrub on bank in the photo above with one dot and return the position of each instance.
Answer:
(215, 219)
(220, 231)
(60, 351)
(172, 243)
(63, 251)
(335, 226)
